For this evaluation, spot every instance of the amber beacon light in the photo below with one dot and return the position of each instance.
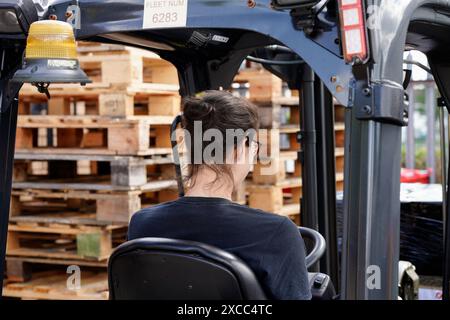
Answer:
(50, 56)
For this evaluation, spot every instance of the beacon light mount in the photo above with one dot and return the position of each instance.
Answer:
(50, 56)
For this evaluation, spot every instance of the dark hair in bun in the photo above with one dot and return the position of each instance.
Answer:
(218, 110)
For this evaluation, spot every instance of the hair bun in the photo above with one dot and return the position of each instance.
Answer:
(197, 109)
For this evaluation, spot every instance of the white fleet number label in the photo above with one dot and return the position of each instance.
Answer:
(165, 13)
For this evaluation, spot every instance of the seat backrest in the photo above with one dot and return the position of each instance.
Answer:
(168, 269)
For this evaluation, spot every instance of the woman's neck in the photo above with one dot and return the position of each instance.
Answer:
(206, 186)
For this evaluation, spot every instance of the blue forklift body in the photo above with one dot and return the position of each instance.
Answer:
(208, 50)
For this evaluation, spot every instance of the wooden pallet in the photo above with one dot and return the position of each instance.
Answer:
(50, 236)
(116, 64)
(285, 139)
(90, 91)
(278, 112)
(105, 201)
(25, 268)
(113, 103)
(281, 197)
(122, 172)
(276, 197)
(95, 135)
(278, 143)
(273, 141)
(270, 170)
(53, 286)
(284, 111)
(123, 78)
(263, 86)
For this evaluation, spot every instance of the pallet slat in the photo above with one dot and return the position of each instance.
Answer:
(131, 136)
(94, 286)
(106, 203)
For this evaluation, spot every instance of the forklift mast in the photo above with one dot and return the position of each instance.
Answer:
(207, 41)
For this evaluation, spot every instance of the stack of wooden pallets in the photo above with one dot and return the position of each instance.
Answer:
(99, 154)
(280, 190)
(91, 156)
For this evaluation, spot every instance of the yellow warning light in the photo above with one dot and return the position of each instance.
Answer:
(50, 56)
(51, 39)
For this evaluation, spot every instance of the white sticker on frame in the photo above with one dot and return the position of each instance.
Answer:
(165, 13)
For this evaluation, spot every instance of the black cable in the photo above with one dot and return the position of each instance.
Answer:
(276, 47)
(420, 65)
(276, 62)
(409, 71)
(266, 61)
(407, 80)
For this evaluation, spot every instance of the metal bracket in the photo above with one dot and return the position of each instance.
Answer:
(443, 104)
(73, 16)
(304, 19)
(8, 95)
(305, 16)
(379, 101)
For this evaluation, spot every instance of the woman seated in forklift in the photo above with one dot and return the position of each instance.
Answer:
(269, 244)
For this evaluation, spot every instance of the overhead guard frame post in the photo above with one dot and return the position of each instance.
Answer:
(8, 125)
(307, 155)
(371, 231)
(326, 179)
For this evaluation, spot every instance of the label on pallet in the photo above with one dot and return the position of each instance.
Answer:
(165, 13)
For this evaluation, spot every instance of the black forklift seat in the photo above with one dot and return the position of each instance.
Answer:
(169, 269)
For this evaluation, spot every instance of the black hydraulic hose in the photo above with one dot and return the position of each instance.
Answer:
(319, 248)
(277, 48)
(274, 62)
(176, 155)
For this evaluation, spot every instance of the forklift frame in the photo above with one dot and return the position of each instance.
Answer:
(372, 93)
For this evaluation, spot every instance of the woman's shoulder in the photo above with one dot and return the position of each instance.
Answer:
(153, 209)
(261, 214)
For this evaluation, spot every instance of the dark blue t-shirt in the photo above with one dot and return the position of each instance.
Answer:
(270, 244)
